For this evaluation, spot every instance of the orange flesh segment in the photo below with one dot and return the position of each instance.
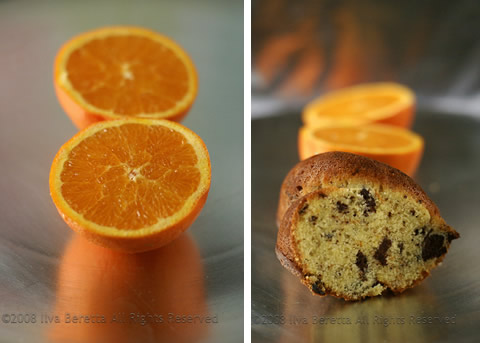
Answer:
(354, 106)
(130, 176)
(128, 75)
(363, 137)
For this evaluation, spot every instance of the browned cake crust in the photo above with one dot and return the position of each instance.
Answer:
(315, 176)
(341, 167)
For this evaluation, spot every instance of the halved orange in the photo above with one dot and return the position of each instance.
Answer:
(123, 71)
(385, 103)
(131, 184)
(392, 145)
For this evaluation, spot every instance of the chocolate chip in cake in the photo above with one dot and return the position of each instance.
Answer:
(369, 200)
(389, 214)
(412, 212)
(341, 207)
(420, 231)
(433, 246)
(381, 253)
(304, 209)
(361, 261)
(299, 188)
(318, 288)
(313, 219)
(400, 247)
(322, 195)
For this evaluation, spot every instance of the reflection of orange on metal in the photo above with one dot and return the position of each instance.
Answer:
(349, 55)
(323, 48)
(276, 53)
(107, 296)
(294, 60)
(304, 77)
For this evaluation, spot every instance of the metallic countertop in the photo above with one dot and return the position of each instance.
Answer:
(45, 269)
(283, 310)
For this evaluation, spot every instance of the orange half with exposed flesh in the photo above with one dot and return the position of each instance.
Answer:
(123, 71)
(132, 184)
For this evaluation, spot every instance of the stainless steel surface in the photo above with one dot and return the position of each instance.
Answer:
(44, 269)
(303, 48)
(283, 310)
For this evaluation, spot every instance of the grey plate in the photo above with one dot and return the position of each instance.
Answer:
(283, 310)
(42, 271)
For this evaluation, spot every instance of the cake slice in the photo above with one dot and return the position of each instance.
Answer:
(353, 227)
